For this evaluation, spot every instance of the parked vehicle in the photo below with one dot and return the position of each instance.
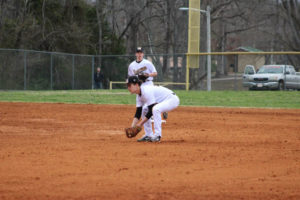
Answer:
(277, 77)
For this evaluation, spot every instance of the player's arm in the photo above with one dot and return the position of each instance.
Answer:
(137, 116)
(152, 70)
(148, 115)
(130, 71)
(153, 74)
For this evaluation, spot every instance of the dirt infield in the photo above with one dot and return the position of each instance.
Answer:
(74, 151)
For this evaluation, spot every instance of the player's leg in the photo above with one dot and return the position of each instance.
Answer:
(147, 126)
(169, 104)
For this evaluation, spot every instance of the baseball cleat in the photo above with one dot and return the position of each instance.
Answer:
(165, 115)
(152, 120)
(155, 139)
(144, 139)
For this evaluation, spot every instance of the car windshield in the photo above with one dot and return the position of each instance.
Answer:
(270, 70)
(249, 70)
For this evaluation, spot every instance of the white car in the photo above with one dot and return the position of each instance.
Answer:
(277, 77)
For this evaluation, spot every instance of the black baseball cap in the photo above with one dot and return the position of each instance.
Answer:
(132, 79)
(139, 49)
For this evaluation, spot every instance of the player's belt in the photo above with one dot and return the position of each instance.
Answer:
(173, 93)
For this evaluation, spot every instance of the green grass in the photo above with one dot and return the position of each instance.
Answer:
(267, 99)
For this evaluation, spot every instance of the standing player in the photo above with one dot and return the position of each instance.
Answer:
(148, 73)
(156, 99)
(149, 70)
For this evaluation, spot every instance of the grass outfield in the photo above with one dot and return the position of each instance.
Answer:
(262, 99)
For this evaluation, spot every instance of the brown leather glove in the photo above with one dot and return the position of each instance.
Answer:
(143, 77)
(132, 131)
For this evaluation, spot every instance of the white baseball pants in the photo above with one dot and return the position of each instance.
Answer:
(167, 105)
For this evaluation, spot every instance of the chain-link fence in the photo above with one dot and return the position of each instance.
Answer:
(37, 70)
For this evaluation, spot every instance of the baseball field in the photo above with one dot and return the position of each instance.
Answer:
(64, 150)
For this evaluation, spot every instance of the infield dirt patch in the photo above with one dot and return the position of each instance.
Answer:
(74, 151)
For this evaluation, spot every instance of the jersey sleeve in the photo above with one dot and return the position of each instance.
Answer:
(130, 70)
(151, 67)
(139, 102)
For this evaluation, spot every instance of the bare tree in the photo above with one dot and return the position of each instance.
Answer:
(290, 35)
(231, 18)
(291, 16)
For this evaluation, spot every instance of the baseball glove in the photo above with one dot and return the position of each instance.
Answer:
(143, 77)
(140, 70)
(132, 131)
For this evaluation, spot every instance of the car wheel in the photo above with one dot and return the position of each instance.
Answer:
(281, 85)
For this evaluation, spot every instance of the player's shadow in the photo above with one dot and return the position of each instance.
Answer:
(173, 141)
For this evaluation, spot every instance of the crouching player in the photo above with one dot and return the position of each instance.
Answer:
(150, 100)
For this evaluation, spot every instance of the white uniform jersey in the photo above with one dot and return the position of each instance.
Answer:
(152, 94)
(134, 66)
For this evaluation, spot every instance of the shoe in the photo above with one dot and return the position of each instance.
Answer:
(144, 139)
(165, 115)
(155, 139)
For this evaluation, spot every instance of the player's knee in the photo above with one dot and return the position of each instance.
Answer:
(145, 110)
(156, 110)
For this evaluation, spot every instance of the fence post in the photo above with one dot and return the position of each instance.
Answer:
(93, 68)
(284, 81)
(51, 71)
(73, 72)
(175, 68)
(236, 68)
(183, 70)
(25, 69)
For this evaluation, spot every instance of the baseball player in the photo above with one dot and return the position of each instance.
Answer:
(150, 100)
(143, 67)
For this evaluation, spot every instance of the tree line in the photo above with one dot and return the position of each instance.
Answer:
(109, 27)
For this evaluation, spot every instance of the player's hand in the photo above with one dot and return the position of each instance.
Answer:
(132, 131)
(143, 77)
